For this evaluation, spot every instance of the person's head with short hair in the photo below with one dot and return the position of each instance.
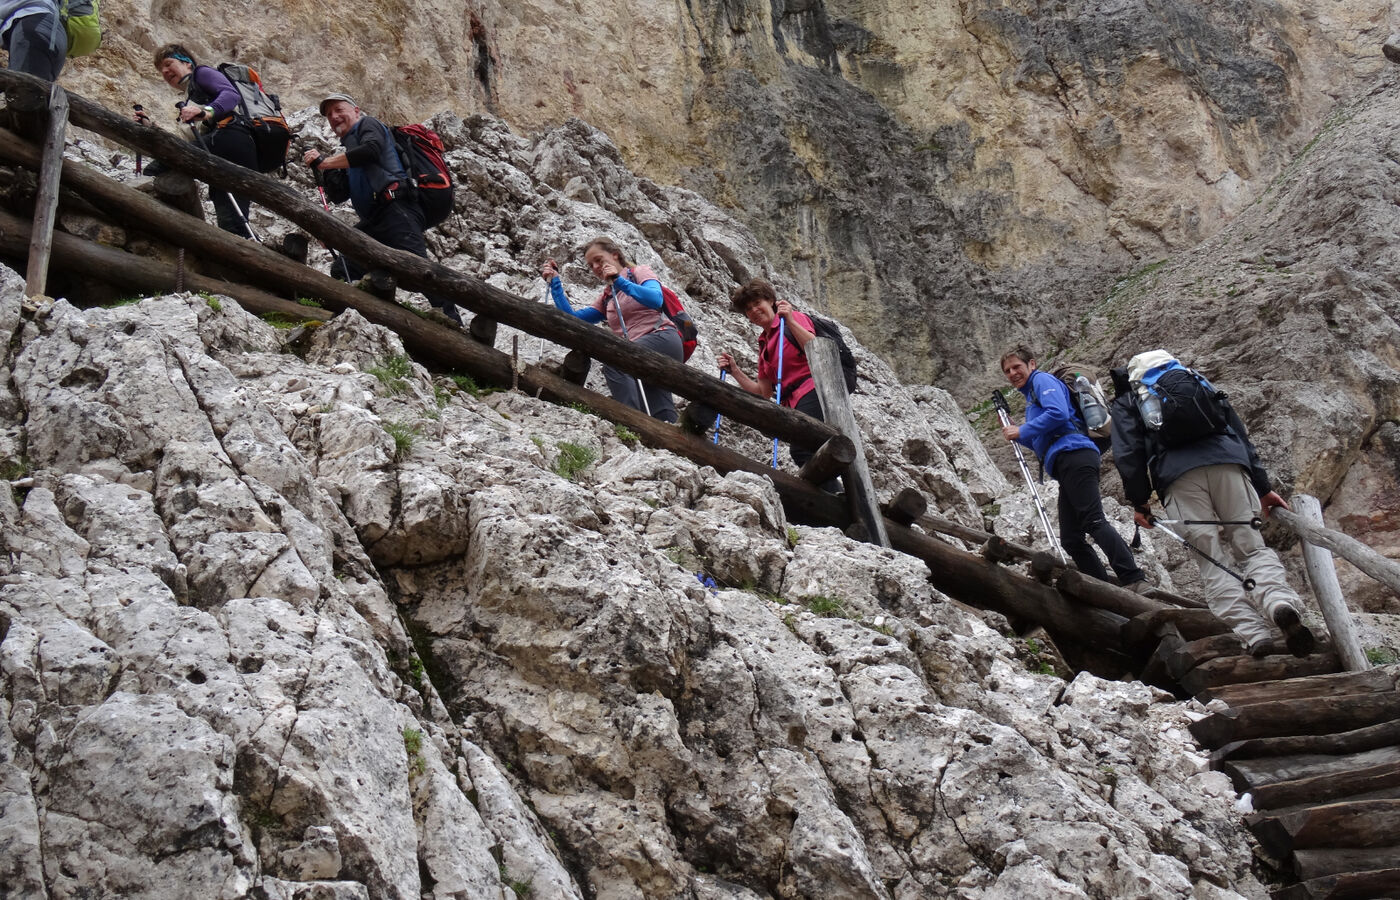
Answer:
(757, 300)
(174, 63)
(341, 113)
(1017, 364)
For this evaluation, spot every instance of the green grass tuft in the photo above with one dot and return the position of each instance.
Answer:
(573, 459)
(404, 436)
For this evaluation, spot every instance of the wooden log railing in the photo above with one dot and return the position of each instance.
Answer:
(1322, 575)
(429, 277)
(825, 360)
(46, 206)
(1384, 570)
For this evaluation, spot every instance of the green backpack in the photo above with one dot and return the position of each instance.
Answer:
(80, 21)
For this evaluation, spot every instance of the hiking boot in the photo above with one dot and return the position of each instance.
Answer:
(1391, 48)
(1143, 587)
(1297, 636)
(1261, 649)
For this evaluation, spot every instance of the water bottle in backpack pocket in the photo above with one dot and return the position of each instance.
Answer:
(1178, 404)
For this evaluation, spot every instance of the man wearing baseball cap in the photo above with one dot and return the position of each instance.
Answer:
(369, 173)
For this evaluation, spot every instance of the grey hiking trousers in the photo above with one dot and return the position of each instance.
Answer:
(1224, 492)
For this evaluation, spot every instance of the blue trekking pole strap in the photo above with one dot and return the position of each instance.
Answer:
(778, 397)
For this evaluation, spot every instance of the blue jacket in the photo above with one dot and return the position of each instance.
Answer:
(1052, 425)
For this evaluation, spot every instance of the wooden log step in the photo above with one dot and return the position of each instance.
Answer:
(1355, 741)
(1193, 624)
(906, 506)
(1359, 823)
(1319, 863)
(1374, 885)
(1371, 681)
(1246, 669)
(1385, 794)
(1190, 655)
(1158, 670)
(1295, 717)
(1286, 780)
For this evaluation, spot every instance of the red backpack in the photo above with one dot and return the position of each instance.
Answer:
(421, 151)
(675, 311)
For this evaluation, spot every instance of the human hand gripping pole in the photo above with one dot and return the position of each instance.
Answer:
(1004, 414)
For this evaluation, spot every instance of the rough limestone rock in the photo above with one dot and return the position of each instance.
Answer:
(577, 713)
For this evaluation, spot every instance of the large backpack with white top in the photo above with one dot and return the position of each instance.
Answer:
(1178, 405)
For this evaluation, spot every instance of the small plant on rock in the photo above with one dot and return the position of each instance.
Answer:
(393, 373)
(1381, 656)
(626, 435)
(413, 746)
(830, 607)
(573, 459)
(404, 436)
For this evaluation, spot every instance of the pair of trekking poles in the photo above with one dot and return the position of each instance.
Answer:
(1004, 414)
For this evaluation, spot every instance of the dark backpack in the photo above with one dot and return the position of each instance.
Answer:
(1190, 406)
(825, 328)
(262, 113)
(421, 151)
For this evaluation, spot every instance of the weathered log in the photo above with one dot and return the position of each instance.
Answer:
(1357, 740)
(483, 330)
(967, 577)
(1378, 884)
(575, 366)
(1321, 862)
(1249, 774)
(1106, 596)
(1157, 671)
(1373, 681)
(1322, 575)
(906, 506)
(1143, 631)
(997, 550)
(1047, 567)
(295, 247)
(46, 205)
(1241, 669)
(1190, 655)
(824, 358)
(1384, 570)
(1359, 823)
(935, 523)
(1295, 717)
(1283, 781)
(176, 190)
(831, 459)
(431, 278)
(141, 273)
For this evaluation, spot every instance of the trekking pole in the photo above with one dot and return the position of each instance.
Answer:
(248, 226)
(1246, 583)
(778, 398)
(719, 419)
(326, 204)
(641, 390)
(143, 119)
(1256, 523)
(1004, 414)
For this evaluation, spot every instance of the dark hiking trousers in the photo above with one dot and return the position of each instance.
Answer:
(233, 142)
(38, 45)
(398, 224)
(1081, 513)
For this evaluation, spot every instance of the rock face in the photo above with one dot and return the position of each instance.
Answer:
(913, 165)
(230, 670)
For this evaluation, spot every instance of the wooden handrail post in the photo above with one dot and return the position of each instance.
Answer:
(1322, 575)
(46, 206)
(1381, 568)
(825, 361)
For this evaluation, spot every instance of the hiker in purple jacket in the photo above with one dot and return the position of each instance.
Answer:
(210, 112)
